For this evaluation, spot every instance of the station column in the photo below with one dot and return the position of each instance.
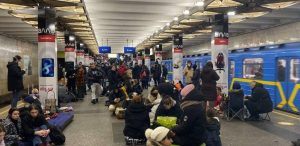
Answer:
(219, 54)
(147, 58)
(158, 51)
(70, 52)
(80, 54)
(177, 58)
(47, 57)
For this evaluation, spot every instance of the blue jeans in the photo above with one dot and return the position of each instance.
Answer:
(16, 97)
(38, 139)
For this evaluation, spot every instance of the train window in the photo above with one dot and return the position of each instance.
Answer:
(232, 69)
(294, 70)
(253, 68)
(281, 66)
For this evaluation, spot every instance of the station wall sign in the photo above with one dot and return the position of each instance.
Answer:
(130, 50)
(104, 49)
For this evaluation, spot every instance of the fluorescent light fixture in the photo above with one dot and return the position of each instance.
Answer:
(71, 38)
(81, 44)
(161, 28)
(186, 12)
(199, 3)
(175, 18)
(231, 13)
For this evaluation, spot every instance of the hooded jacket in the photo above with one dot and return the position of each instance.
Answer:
(209, 83)
(236, 99)
(191, 131)
(261, 97)
(14, 77)
(136, 120)
(213, 132)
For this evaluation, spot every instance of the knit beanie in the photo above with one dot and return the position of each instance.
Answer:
(158, 134)
(29, 99)
(236, 85)
(187, 89)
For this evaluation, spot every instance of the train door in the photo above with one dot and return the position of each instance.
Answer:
(231, 71)
(288, 74)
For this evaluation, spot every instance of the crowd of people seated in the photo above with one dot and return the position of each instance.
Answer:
(180, 113)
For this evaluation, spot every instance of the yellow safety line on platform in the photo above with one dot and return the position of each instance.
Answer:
(286, 115)
(280, 89)
(6, 111)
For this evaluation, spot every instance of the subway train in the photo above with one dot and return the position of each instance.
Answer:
(278, 66)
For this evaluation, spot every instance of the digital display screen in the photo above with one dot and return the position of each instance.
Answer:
(129, 49)
(105, 49)
(47, 69)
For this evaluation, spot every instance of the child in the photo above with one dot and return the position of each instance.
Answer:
(136, 121)
(218, 99)
(213, 129)
(2, 135)
(160, 136)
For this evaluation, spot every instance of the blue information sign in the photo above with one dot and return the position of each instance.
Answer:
(105, 49)
(129, 50)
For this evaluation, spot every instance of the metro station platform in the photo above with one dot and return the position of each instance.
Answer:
(94, 125)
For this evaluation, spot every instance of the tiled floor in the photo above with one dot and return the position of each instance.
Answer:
(93, 125)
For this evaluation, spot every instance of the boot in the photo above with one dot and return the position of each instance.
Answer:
(97, 101)
(93, 101)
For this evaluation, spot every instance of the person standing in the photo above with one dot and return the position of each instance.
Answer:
(188, 73)
(94, 77)
(156, 73)
(15, 79)
(209, 79)
(164, 72)
(71, 80)
(196, 76)
(80, 82)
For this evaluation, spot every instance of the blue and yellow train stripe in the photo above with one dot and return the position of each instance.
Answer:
(283, 102)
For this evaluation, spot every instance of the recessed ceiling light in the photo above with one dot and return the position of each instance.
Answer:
(161, 28)
(231, 13)
(199, 3)
(168, 24)
(175, 18)
(186, 12)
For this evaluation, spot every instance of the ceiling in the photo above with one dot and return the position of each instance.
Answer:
(146, 23)
(19, 20)
(132, 21)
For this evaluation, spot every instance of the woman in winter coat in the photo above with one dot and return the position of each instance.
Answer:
(80, 83)
(153, 100)
(209, 84)
(191, 131)
(196, 76)
(13, 128)
(35, 127)
(136, 121)
(188, 73)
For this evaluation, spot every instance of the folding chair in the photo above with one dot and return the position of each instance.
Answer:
(265, 116)
(234, 113)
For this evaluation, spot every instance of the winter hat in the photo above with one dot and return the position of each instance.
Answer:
(236, 85)
(166, 89)
(158, 134)
(29, 99)
(187, 89)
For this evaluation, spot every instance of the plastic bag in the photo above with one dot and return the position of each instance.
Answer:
(167, 122)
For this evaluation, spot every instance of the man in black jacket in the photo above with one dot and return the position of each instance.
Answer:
(94, 77)
(15, 79)
(191, 130)
(259, 101)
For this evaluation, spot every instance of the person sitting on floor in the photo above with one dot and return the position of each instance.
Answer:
(259, 101)
(153, 102)
(115, 100)
(191, 130)
(136, 121)
(2, 135)
(213, 129)
(136, 87)
(236, 96)
(160, 136)
(35, 127)
(13, 128)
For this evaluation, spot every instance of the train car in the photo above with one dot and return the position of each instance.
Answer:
(276, 67)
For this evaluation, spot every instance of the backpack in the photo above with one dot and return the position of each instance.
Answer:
(56, 136)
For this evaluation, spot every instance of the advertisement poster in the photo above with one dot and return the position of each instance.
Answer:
(80, 56)
(158, 57)
(177, 58)
(86, 59)
(219, 55)
(27, 64)
(70, 55)
(147, 62)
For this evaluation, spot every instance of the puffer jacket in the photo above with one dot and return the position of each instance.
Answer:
(12, 133)
(188, 73)
(213, 132)
(262, 98)
(14, 77)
